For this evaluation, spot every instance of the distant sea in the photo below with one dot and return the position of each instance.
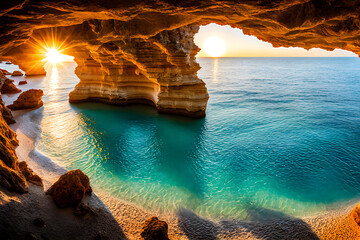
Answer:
(280, 134)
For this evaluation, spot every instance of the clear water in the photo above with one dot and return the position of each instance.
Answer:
(280, 133)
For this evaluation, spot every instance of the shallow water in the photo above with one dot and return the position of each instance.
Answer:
(280, 134)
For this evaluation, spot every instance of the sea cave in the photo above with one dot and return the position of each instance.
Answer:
(142, 55)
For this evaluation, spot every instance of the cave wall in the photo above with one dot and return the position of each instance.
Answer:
(143, 51)
(326, 24)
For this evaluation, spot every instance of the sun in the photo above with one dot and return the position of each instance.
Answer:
(53, 56)
(215, 47)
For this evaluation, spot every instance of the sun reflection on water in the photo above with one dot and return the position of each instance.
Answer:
(54, 77)
(215, 70)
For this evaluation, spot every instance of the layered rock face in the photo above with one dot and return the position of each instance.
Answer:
(326, 24)
(160, 71)
(10, 174)
(111, 79)
(142, 51)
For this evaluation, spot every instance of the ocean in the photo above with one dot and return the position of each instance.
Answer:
(280, 134)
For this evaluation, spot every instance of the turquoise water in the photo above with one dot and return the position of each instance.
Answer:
(280, 133)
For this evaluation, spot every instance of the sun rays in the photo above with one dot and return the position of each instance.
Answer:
(54, 56)
(44, 48)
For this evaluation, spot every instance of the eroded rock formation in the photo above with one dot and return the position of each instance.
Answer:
(28, 99)
(160, 71)
(29, 174)
(142, 51)
(154, 229)
(17, 73)
(69, 190)
(7, 85)
(10, 174)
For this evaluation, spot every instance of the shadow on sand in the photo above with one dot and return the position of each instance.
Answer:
(262, 224)
(18, 213)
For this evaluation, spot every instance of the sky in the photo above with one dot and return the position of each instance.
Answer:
(237, 44)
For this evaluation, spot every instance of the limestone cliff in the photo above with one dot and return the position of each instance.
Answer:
(160, 71)
(11, 176)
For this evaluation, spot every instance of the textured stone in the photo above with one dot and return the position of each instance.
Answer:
(29, 174)
(22, 82)
(17, 73)
(6, 112)
(160, 72)
(302, 23)
(69, 190)
(10, 174)
(8, 142)
(12, 179)
(9, 87)
(154, 229)
(5, 72)
(28, 99)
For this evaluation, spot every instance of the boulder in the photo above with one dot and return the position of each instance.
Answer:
(22, 82)
(154, 229)
(9, 87)
(28, 99)
(29, 174)
(69, 190)
(17, 73)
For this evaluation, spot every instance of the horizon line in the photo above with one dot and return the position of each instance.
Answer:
(284, 57)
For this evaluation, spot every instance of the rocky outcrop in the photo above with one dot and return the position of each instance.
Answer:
(22, 82)
(5, 72)
(29, 99)
(154, 229)
(160, 71)
(70, 189)
(29, 174)
(17, 73)
(10, 174)
(9, 87)
(6, 113)
(12, 179)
